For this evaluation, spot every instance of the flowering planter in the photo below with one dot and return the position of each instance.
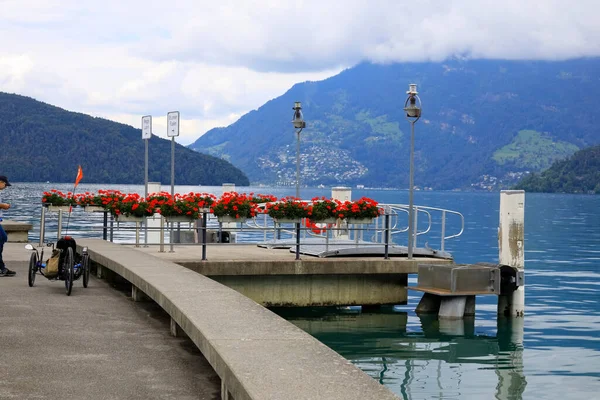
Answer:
(58, 208)
(288, 220)
(360, 221)
(325, 221)
(124, 218)
(179, 218)
(94, 209)
(229, 218)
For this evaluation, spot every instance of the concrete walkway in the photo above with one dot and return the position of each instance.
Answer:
(95, 344)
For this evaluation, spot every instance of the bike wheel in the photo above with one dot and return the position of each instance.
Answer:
(68, 271)
(85, 264)
(32, 268)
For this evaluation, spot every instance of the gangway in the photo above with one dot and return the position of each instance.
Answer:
(345, 240)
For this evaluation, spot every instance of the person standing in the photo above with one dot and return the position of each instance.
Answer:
(3, 236)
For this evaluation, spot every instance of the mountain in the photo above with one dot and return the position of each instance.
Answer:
(40, 142)
(485, 123)
(580, 173)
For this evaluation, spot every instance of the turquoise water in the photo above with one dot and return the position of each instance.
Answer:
(554, 352)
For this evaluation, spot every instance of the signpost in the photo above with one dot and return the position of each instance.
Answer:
(146, 135)
(172, 132)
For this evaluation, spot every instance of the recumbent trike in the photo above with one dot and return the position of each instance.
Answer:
(71, 266)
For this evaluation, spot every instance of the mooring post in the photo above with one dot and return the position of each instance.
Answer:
(511, 246)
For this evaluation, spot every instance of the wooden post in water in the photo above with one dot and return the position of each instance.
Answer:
(511, 246)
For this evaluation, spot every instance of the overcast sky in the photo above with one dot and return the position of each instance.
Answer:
(216, 60)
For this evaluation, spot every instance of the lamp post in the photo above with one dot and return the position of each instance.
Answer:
(299, 124)
(412, 107)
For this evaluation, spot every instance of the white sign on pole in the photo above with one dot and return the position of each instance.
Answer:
(173, 124)
(146, 127)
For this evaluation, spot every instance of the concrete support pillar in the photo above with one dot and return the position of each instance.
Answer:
(429, 304)
(511, 246)
(99, 272)
(448, 307)
(176, 330)
(138, 295)
(452, 307)
(225, 395)
(470, 306)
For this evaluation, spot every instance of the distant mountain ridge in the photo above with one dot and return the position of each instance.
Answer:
(579, 173)
(40, 142)
(485, 124)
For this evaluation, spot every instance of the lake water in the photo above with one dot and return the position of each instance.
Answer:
(553, 352)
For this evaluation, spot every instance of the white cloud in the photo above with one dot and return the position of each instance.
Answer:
(214, 61)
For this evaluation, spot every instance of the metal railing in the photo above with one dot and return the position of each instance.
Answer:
(384, 230)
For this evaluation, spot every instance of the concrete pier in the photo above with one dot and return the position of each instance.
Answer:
(96, 344)
(272, 277)
(256, 354)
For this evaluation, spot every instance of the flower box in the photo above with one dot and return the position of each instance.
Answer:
(229, 218)
(329, 221)
(58, 208)
(360, 221)
(94, 209)
(179, 218)
(125, 218)
(288, 220)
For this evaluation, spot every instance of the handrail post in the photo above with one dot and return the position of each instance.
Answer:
(204, 236)
(161, 249)
(443, 229)
(171, 236)
(297, 240)
(415, 231)
(387, 235)
(59, 228)
(42, 226)
(137, 234)
(105, 225)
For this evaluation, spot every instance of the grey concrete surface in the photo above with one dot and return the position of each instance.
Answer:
(249, 259)
(95, 344)
(274, 278)
(257, 354)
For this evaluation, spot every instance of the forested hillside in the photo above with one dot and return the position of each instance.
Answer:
(485, 124)
(40, 142)
(580, 173)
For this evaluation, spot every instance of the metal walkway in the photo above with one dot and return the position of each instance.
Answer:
(321, 247)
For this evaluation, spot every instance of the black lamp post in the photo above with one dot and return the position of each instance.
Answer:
(412, 107)
(299, 124)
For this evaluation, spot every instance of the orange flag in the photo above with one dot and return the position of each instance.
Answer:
(79, 176)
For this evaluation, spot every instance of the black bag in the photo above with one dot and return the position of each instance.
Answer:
(63, 244)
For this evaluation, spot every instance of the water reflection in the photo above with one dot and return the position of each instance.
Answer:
(433, 362)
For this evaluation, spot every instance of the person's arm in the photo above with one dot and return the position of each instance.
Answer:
(4, 206)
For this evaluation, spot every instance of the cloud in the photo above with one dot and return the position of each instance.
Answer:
(215, 61)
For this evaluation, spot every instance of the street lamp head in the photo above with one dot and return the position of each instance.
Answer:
(412, 105)
(412, 89)
(298, 119)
